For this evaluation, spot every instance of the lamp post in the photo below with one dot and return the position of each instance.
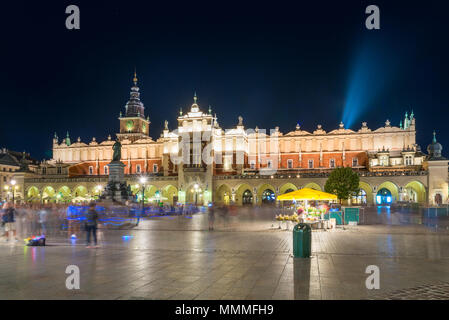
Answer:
(13, 184)
(196, 189)
(98, 189)
(143, 181)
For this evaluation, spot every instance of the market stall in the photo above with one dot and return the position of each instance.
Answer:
(308, 206)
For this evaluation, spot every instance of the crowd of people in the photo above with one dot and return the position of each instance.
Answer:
(19, 221)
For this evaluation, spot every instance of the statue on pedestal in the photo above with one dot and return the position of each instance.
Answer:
(117, 148)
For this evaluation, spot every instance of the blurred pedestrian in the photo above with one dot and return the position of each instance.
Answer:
(10, 222)
(211, 216)
(42, 220)
(91, 224)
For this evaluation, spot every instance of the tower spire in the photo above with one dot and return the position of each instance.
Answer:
(135, 77)
(67, 139)
(134, 107)
(434, 137)
(195, 98)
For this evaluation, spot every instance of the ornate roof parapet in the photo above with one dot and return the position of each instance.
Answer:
(93, 142)
(319, 130)
(364, 128)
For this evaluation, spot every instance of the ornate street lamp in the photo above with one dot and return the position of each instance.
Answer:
(143, 181)
(98, 190)
(13, 184)
(196, 189)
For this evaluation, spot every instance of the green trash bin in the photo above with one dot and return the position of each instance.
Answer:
(302, 240)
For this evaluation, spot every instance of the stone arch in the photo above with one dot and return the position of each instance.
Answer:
(263, 189)
(392, 187)
(48, 192)
(97, 190)
(64, 193)
(33, 193)
(223, 195)
(286, 187)
(240, 190)
(150, 191)
(171, 193)
(368, 190)
(313, 185)
(415, 191)
(192, 196)
(80, 191)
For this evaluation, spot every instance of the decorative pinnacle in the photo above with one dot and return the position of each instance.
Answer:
(135, 77)
(180, 111)
(195, 98)
(434, 137)
(210, 109)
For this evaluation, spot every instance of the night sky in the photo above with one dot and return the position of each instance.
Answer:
(274, 63)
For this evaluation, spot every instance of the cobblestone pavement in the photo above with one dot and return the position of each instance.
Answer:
(146, 263)
(439, 291)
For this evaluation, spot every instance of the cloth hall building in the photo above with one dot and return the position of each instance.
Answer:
(243, 166)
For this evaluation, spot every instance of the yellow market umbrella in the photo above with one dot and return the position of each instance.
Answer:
(307, 194)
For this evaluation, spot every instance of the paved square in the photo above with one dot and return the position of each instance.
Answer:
(177, 258)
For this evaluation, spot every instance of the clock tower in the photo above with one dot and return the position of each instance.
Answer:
(134, 125)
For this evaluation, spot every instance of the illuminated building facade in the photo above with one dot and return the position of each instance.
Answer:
(198, 161)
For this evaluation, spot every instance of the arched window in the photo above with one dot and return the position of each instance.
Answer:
(247, 197)
(384, 196)
(268, 196)
(360, 198)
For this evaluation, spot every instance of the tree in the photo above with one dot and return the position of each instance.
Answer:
(343, 182)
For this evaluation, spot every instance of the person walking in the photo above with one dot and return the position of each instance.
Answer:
(42, 220)
(211, 217)
(91, 224)
(10, 222)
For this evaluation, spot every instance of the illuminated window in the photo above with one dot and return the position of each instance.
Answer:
(408, 160)
(359, 198)
(310, 164)
(138, 168)
(384, 161)
(290, 164)
(105, 169)
(355, 162)
(91, 170)
(154, 167)
(227, 165)
(332, 163)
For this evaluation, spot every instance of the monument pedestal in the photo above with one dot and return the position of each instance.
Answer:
(117, 189)
(116, 171)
